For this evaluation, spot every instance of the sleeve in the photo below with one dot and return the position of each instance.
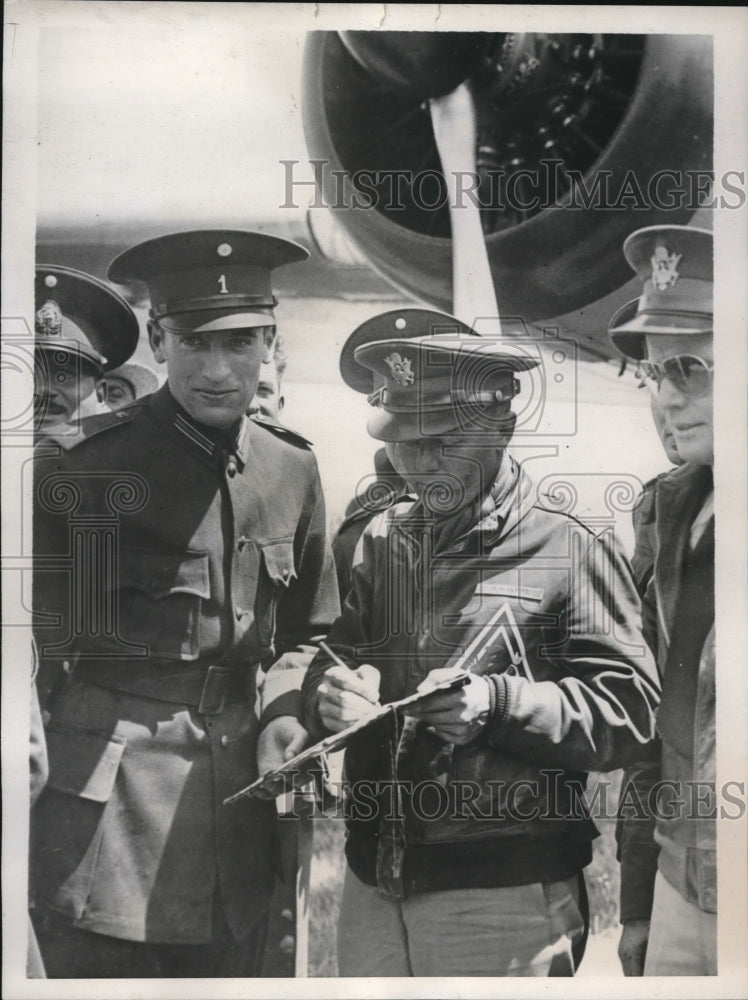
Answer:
(343, 547)
(38, 763)
(305, 612)
(350, 630)
(51, 585)
(636, 848)
(642, 561)
(600, 713)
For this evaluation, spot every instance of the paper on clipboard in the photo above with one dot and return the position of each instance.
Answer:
(337, 741)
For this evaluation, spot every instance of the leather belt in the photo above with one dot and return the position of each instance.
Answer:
(208, 689)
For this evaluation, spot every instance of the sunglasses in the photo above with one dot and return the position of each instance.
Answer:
(689, 374)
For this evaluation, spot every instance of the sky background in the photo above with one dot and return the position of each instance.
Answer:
(136, 125)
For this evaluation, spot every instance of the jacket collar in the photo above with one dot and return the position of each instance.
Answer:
(212, 446)
(510, 498)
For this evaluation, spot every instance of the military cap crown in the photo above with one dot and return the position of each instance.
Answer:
(398, 323)
(206, 280)
(675, 265)
(78, 313)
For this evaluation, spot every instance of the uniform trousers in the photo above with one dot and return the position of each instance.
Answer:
(70, 953)
(528, 930)
(682, 938)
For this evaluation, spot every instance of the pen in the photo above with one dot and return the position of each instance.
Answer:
(333, 656)
(341, 663)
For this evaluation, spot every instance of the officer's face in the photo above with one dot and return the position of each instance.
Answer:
(213, 375)
(62, 380)
(119, 392)
(268, 397)
(662, 426)
(689, 416)
(447, 473)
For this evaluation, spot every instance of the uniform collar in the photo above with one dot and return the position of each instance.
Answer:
(209, 444)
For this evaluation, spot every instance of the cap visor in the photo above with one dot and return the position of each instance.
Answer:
(629, 327)
(212, 321)
(673, 323)
(72, 347)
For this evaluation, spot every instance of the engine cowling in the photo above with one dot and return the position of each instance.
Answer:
(566, 125)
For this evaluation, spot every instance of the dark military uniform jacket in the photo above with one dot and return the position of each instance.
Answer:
(180, 575)
(679, 837)
(548, 612)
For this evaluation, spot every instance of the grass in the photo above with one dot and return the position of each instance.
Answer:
(328, 866)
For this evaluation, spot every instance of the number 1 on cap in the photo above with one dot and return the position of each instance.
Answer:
(222, 285)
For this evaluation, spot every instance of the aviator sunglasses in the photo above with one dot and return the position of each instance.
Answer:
(688, 373)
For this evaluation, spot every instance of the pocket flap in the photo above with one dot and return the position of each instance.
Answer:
(159, 574)
(83, 763)
(279, 562)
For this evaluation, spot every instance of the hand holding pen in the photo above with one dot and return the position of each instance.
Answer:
(346, 695)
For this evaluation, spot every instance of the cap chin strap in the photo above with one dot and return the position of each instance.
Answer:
(208, 303)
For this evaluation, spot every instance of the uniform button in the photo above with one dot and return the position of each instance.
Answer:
(240, 613)
(242, 542)
(285, 572)
(225, 740)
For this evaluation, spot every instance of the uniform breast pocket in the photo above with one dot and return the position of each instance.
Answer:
(160, 595)
(277, 572)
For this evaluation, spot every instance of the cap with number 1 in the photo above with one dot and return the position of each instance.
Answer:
(208, 280)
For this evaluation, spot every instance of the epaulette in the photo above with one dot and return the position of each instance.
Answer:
(90, 427)
(281, 430)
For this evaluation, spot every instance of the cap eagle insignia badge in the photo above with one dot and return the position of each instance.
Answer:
(664, 268)
(401, 368)
(48, 319)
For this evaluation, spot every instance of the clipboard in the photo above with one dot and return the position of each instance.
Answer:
(337, 741)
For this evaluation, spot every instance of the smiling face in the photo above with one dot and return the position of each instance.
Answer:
(62, 380)
(690, 418)
(214, 375)
(446, 473)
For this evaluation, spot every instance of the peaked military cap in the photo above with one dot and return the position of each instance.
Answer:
(441, 384)
(402, 324)
(82, 315)
(675, 264)
(208, 279)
